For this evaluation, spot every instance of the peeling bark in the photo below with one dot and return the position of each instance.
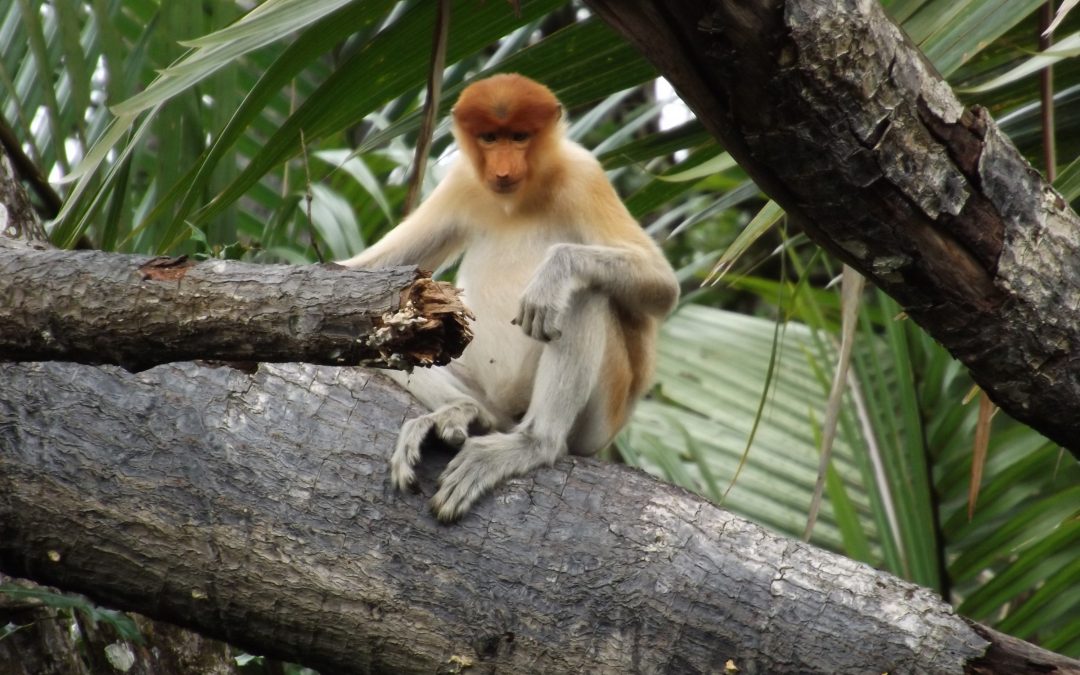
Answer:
(840, 118)
(138, 311)
(257, 508)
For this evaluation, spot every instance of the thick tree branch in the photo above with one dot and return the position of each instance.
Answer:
(138, 311)
(257, 508)
(841, 119)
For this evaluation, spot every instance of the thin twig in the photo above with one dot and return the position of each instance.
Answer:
(1046, 94)
(309, 198)
(29, 171)
(431, 105)
(851, 294)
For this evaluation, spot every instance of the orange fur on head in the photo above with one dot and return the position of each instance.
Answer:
(504, 124)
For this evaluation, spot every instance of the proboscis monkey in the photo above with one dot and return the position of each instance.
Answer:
(567, 289)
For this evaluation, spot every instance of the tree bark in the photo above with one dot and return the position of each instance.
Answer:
(256, 508)
(70, 636)
(138, 311)
(17, 217)
(841, 120)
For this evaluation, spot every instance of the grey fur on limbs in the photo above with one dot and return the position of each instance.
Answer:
(564, 399)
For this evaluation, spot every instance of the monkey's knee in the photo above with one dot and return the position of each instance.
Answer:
(590, 435)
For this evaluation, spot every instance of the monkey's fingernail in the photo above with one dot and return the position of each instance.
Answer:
(513, 322)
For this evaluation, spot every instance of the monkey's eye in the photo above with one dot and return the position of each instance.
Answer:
(488, 137)
(519, 136)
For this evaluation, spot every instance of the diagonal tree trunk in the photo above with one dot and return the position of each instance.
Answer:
(834, 113)
(256, 508)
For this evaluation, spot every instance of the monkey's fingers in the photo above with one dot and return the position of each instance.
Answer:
(552, 324)
(526, 319)
(540, 322)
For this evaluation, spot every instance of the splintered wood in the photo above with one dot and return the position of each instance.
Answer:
(165, 268)
(430, 327)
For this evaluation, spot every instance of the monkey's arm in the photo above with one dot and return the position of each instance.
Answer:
(427, 238)
(636, 277)
(616, 257)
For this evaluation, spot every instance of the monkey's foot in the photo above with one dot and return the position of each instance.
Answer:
(481, 464)
(452, 423)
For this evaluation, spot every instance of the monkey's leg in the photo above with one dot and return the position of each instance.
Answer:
(457, 412)
(565, 398)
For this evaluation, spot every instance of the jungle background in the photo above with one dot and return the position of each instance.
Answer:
(285, 132)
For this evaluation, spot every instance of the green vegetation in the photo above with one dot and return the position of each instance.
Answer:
(192, 127)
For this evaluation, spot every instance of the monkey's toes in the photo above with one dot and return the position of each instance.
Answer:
(449, 507)
(402, 476)
(459, 488)
(454, 435)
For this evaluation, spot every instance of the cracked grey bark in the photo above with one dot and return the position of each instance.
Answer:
(138, 311)
(256, 508)
(835, 114)
(17, 217)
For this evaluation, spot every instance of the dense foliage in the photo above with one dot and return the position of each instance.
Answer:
(280, 131)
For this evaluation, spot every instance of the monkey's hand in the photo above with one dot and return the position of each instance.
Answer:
(548, 297)
(452, 423)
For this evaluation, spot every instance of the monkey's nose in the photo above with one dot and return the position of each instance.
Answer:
(504, 184)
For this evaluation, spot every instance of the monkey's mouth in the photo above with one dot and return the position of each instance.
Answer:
(505, 187)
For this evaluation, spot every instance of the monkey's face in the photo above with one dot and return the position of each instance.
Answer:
(503, 159)
(502, 124)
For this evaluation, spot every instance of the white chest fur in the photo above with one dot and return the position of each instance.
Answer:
(501, 358)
